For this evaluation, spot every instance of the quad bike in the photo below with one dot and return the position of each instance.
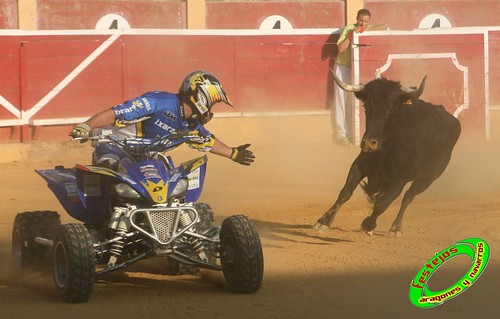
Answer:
(145, 208)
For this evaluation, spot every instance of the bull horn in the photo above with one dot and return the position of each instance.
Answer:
(347, 87)
(414, 93)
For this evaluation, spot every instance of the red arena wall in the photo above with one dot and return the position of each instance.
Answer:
(72, 14)
(61, 78)
(251, 15)
(171, 14)
(8, 14)
(407, 15)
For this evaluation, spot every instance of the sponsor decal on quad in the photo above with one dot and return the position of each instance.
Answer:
(194, 179)
(150, 172)
(92, 185)
(174, 177)
(71, 189)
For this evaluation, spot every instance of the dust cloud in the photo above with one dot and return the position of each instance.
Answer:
(297, 176)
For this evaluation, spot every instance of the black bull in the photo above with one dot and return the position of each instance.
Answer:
(406, 140)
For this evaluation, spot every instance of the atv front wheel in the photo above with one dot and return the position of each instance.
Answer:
(242, 259)
(206, 214)
(27, 226)
(207, 222)
(73, 263)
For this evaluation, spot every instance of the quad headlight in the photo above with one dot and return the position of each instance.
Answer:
(125, 191)
(180, 188)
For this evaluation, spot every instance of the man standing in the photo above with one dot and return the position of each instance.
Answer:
(341, 116)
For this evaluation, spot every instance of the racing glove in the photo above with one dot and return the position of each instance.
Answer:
(80, 130)
(241, 155)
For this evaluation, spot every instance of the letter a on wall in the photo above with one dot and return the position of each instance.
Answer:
(434, 21)
(112, 21)
(275, 22)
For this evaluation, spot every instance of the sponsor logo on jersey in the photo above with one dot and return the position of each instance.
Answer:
(146, 103)
(170, 115)
(165, 127)
(138, 104)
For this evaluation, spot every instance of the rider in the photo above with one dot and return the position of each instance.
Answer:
(160, 113)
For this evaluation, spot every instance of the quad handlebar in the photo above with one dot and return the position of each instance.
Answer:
(142, 146)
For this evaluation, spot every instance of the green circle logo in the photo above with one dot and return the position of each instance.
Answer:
(478, 251)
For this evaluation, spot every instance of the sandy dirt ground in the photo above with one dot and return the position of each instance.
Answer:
(340, 273)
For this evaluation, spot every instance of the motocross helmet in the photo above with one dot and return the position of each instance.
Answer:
(200, 90)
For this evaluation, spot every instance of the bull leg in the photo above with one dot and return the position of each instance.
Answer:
(416, 188)
(381, 205)
(353, 179)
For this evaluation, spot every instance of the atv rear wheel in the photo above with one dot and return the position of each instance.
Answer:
(241, 255)
(27, 226)
(73, 263)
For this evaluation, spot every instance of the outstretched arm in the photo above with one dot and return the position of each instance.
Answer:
(101, 119)
(104, 118)
(221, 149)
(377, 27)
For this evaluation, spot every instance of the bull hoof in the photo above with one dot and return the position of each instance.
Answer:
(320, 227)
(368, 225)
(369, 233)
(395, 233)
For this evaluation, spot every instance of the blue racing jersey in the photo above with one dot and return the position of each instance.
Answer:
(153, 115)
